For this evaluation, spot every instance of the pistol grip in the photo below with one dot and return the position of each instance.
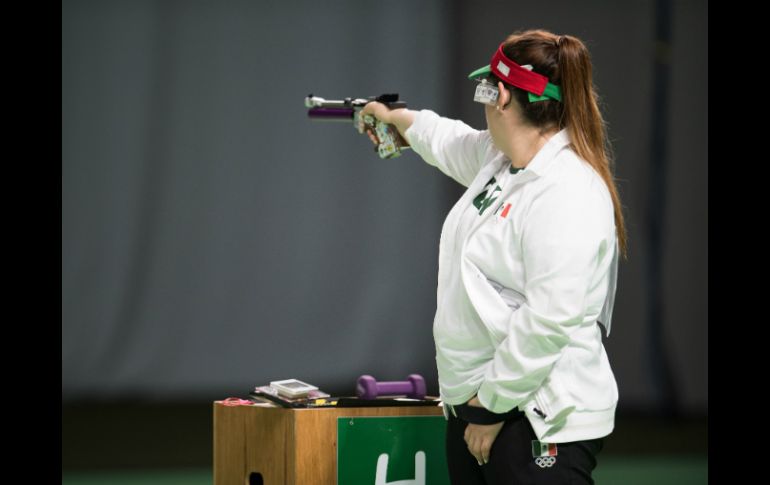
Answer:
(391, 141)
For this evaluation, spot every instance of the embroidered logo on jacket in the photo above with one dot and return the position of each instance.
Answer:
(488, 196)
(506, 207)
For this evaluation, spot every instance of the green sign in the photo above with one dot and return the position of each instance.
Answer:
(402, 450)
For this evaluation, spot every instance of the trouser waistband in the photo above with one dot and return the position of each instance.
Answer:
(479, 415)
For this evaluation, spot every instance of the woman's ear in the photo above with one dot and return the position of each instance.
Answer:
(504, 97)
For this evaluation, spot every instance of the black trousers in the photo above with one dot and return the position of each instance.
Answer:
(511, 460)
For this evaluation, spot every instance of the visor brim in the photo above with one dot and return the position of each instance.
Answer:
(482, 71)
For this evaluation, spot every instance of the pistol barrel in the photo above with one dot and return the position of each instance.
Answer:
(331, 114)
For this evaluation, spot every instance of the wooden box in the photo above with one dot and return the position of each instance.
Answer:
(285, 446)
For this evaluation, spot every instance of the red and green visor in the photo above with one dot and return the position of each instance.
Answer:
(535, 84)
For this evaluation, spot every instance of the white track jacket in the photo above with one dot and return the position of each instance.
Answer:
(524, 276)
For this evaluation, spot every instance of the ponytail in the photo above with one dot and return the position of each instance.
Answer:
(584, 122)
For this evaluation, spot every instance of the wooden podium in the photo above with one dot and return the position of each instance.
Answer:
(285, 446)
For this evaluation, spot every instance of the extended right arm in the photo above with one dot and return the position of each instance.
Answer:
(450, 145)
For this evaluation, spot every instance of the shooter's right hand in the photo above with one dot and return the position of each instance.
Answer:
(380, 112)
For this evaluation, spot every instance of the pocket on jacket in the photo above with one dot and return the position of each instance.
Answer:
(512, 298)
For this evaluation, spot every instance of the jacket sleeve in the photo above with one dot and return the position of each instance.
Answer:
(563, 239)
(450, 145)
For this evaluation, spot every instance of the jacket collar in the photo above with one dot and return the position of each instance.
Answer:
(535, 168)
(539, 164)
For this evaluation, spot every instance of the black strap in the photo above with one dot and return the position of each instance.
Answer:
(479, 415)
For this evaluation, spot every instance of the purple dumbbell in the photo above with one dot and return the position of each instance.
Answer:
(367, 387)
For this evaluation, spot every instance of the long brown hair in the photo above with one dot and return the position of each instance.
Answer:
(566, 62)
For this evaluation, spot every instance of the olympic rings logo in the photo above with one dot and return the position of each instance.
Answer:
(545, 461)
